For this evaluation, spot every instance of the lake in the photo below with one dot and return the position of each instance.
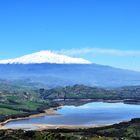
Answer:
(90, 114)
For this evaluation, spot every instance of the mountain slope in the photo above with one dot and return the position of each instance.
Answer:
(45, 57)
(47, 69)
(54, 75)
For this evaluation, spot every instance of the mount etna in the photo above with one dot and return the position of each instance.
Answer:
(47, 69)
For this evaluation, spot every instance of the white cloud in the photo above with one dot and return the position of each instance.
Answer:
(94, 51)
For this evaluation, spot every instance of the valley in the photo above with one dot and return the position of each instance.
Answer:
(69, 70)
(15, 100)
(23, 102)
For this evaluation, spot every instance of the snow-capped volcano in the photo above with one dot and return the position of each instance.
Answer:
(45, 57)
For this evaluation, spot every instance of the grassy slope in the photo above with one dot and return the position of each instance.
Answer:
(15, 100)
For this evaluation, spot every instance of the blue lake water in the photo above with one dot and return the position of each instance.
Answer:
(95, 113)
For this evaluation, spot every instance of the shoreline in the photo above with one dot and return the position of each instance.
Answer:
(40, 127)
(52, 112)
(48, 112)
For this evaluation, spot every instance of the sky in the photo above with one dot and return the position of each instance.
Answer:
(103, 31)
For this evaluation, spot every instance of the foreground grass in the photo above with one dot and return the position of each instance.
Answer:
(23, 107)
(20, 104)
(6, 111)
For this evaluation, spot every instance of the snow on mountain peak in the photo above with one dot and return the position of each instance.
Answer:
(45, 57)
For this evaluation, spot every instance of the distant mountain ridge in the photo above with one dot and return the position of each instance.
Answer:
(59, 75)
(45, 57)
(48, 69)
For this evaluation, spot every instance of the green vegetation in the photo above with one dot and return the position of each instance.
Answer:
(85, 92)
(6, 111)
(17, 104)
(20, 102)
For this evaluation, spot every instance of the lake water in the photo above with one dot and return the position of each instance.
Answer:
(95, 113)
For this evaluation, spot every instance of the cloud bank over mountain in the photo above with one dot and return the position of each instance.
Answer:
(121, 58)
(116, 52)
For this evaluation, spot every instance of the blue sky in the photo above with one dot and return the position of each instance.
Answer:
(73, 26)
